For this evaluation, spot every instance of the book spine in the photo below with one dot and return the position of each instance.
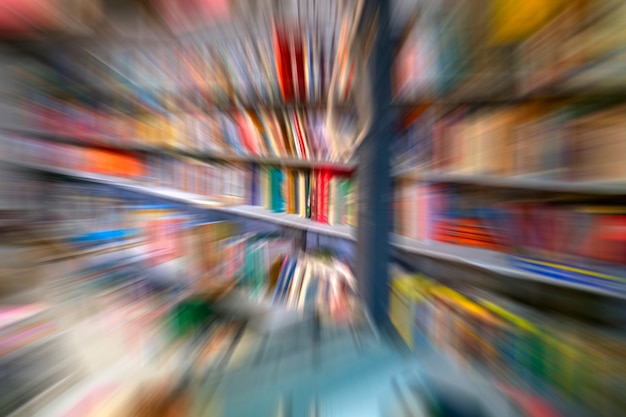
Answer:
(313, 193)
(324, 192)
(282, 57)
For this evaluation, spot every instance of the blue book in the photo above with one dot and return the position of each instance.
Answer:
(284, 291)
(281, 278)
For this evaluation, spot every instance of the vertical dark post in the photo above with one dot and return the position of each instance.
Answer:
(373, 173)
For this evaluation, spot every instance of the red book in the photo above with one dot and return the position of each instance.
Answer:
(284, 65)
(606, 240)
(300, 78)
(323, 206)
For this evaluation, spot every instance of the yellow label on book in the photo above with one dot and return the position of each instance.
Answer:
(577, 270)
(462, 301)
(507, 315)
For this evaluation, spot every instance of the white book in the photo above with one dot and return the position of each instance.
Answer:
(296, 281)
(308, 276)
(344, 273)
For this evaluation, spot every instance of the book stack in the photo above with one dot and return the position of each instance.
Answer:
(322, 195)
(511, 342)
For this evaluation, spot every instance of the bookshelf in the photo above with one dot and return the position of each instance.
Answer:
(203, 111)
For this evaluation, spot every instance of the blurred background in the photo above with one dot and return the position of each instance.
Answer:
(312, 208)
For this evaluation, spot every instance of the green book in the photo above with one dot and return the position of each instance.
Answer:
(277, 199)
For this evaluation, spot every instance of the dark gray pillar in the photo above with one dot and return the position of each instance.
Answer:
(373, 172)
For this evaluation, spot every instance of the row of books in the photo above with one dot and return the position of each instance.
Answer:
(512, 342)
(318, 282)
(583, 233)
(445, 214)
(283, 133)
(217, 180)
(283, 62)
(322, 195)
(501, 50)
(581, 142)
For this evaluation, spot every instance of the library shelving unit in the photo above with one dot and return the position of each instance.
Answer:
(126, 125)
(476, 168)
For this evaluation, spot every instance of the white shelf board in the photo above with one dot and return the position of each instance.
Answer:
(291, 220)
(167, 193)
(488, 260)
(586, 187)
(520, 182)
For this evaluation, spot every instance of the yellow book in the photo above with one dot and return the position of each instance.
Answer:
(408, 298)
(302, 193)
(289, 192)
